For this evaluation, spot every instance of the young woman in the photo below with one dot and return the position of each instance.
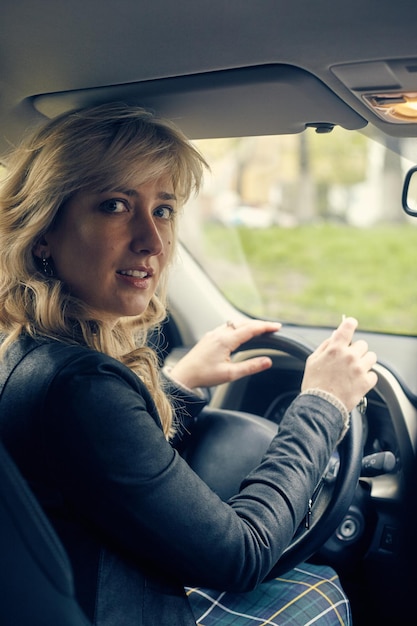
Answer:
(88, 214)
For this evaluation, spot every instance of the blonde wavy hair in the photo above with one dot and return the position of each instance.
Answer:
(95, 148)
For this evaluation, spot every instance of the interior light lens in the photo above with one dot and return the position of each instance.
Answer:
(400, 108)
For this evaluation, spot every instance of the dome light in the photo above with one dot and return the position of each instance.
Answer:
(397, 107)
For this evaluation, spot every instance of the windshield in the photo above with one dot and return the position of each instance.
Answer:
(305, 228)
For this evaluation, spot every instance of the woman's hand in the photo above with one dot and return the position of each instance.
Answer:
(209, 362)
(341, 367)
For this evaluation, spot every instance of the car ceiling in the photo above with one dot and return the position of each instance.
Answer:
(217, 67)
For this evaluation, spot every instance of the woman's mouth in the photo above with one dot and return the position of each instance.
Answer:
(134, 273)
(136, 278)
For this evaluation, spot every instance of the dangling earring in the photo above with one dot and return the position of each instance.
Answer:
(46, 266)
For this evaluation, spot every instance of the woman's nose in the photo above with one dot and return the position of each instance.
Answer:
(146, 237)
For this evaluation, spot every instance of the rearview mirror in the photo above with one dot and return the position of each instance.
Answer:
(409, 197)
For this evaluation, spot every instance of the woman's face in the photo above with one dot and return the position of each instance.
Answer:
(110, 248)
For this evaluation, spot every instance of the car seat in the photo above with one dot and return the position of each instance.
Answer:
(36, 582)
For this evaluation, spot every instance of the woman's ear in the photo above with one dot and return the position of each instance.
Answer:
(41, 248)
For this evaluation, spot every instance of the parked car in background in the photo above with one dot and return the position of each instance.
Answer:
(307, 114)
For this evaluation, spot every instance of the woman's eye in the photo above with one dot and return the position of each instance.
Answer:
(113, 205)
(165, 212)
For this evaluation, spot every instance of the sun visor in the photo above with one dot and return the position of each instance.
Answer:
(260, 100)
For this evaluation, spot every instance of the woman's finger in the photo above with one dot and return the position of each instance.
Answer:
(360, 347)
(249, 367)
(345, 331)
(234, 333)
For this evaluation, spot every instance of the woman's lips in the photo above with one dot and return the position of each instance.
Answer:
(136, 278)
(134, 273)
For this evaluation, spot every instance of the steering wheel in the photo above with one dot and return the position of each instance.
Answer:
(226, 445)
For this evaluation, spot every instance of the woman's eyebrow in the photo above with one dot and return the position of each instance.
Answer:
(162, 195)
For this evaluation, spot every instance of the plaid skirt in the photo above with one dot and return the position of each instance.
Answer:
(308, 594)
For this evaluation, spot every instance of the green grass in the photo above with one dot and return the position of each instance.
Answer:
(314, 274)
